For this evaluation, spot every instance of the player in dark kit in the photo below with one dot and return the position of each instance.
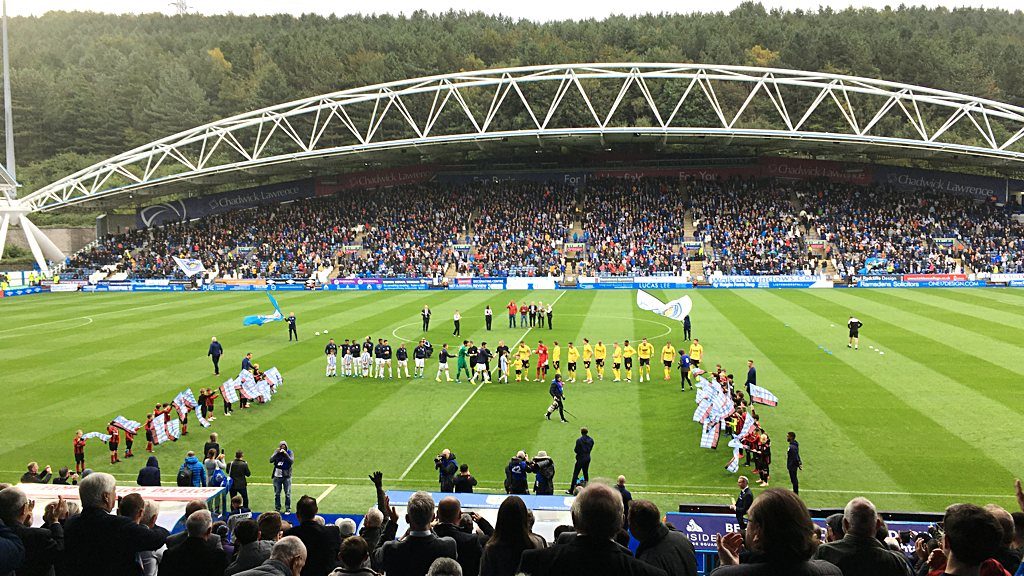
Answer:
(557, 392)
(854, 325)
(291, 328)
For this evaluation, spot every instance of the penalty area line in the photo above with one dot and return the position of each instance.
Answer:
(459, 410)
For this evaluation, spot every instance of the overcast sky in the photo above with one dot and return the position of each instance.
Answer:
(533, 9)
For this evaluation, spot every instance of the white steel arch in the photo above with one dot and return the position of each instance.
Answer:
(663, 100)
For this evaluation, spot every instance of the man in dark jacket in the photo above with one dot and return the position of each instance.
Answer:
(597, 516)
(43, 546)
(286, 559)
(195, 556)
(659, 546)
(449, 515)
(859, 553)
(34, 476)
(150, 474)
(413, 555)
(238, 471)
(322, 542)
(250, 551)
(584, 446)
(516, 480)
(12, 551)
(180, 534)
(743, 501)
(793, 461)
(447, 467)
(215, 352)
(544, 467)
(97, 542)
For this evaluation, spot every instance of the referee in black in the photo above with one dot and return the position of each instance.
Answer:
(291, 328)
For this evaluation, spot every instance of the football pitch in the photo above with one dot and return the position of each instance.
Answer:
(925, 414)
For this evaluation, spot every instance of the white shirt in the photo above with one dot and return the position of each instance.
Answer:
(458, 316)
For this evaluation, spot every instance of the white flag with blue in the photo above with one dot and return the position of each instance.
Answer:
(261, 319)
(229, 391)
(677, 309)
(99, 435)
(762, 396)
(274, 377)
(190, 266)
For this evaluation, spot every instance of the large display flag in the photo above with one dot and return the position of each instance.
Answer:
(202, 421)
(229, 391)
(100, 435)
(264, 390)
(261, 319)
(184, 402)
(129, 426)
(274, 376)
(762, 396)
(677, 309)
(709, 437)
(174, 428)
(160, 430)
(190, 266)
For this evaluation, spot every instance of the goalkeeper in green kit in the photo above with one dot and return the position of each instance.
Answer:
(462, 365)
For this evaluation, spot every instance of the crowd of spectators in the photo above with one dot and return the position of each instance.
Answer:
(625, 226)
(120, 536)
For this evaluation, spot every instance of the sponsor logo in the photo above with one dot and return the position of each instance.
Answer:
(692, 526)
(174, 211)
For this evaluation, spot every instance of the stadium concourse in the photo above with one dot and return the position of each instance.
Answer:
(607, 227)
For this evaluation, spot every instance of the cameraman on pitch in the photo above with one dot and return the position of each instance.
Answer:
(447, 469)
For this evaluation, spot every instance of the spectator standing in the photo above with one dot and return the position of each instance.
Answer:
(793, 461)
(194, 556)
(322, 542)
(971, 537)
(213, 444)
(597, 516)
(627, 499)
(782, 534)
(238, 472)
(743, 502)
(250, 550)
(859, 553)
(413, 555)
(149, 475)
(33, 476)
(511, 537)
(511, 313)
(584, 446)
(549, 312)
(1007, 555)
(66, 477)
(283, 460)
(354, 554)
(12, 551)
(449, 516)
(215, 352)
(192, 472)
(97, 542)
(660, 547)
(465, 481)
(488, 317)
(44, 547)
(287, 558)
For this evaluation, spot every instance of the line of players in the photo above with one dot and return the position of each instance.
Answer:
(368, 360)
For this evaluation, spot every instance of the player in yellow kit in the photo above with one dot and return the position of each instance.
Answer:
(696, 353)
(616, 361)
(627, 360)
(645, 350)
(572, 354)
(588, 357)
(668, 354)
(556, 356)
(600, 353)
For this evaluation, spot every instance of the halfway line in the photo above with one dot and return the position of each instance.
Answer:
(459, 411)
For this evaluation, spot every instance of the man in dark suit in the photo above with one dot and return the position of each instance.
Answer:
(43, 546)
(215, 352)
(291, 327)
(449, 514)
(597, 516)
(584, 446)
(413, 555)
(743, 501)
(322, 542)
(195, 556)
(97, 542)
(793, 461)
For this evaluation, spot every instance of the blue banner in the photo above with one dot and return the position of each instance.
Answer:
(11, 292)
(1016, 284)
(192, 208)
(476, 284)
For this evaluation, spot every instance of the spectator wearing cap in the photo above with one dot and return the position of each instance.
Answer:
(413, 555)
(251, 551)
(286, 559)
(859, 553)
(780, 530)
(322, 542)
(97, 542)
(666, 549)
(597, 516)
(195, 556)
(43, 546)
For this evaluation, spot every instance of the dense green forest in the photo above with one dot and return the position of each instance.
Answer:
(87, 86)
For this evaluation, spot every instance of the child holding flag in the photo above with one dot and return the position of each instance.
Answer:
(114, 442)
(79, 446)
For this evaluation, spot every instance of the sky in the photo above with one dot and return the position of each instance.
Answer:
(542, 10)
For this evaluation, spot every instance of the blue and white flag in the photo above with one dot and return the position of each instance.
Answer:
(202, 421)
(734, 465)
(273, 376)
(160, 430)
(762, 396)
(677, 309)
(261, 319)
(709, 437)
(190, 266)
(173, 428)
(99, 435)
(129, 426)
(229, 391)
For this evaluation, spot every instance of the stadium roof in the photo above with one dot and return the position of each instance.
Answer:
(558, 116)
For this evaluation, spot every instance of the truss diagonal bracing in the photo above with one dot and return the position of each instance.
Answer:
(660, 100)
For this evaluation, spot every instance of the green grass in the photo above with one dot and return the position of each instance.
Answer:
(931, 422)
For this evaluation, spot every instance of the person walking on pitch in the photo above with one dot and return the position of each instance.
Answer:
(557, 392)
(572, 355)
(588, 358)
(616, 361)
(668, 354)
(584, 446)
(215, 352)
(402, 355)
(488, 316)
(684, 370)
(457, 318)
(419, 355)
(686, 327)
(462, 364)
(644, 351)
(854, 325)
(442, 363)
(627, 360)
